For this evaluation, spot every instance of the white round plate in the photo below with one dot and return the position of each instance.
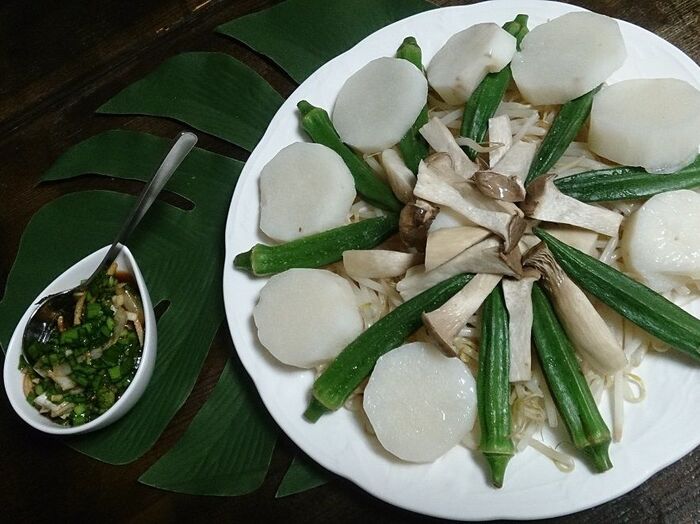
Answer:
(657, 432)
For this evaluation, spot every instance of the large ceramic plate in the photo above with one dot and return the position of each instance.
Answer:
(657, 432)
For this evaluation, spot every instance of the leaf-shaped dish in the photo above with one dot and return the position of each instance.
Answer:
(658, 431)
(13, 377)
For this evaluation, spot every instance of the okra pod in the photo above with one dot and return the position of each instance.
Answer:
(316, 122)
(564, 129)
(493, 386)
(567, 384)
(332, 388)
(631, 299)
(413, 146)
(319, 249)
(627, 183)
(484, 101)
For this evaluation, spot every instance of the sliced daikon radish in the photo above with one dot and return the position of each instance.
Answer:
(567, 57)
(419, 402)
(466, 58)
(304, 189)
(379, 103)
(305, 317)
(650, 123)
(660, 241)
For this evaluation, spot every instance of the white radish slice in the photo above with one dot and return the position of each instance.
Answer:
(660, 241)
(304, 189)
(420, 403)
(466, 58)
(379, 103)
(567, 57)
(305, 317)
(650, 123)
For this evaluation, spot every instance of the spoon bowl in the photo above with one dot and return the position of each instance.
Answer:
(13, 377)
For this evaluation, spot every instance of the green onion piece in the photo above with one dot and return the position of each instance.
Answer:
(634, 301)
(569, 388)
(317, 124)
(627, 183)
(493, 386)
(564, 129)
(484, 101)
(319, 249)
(333, 387)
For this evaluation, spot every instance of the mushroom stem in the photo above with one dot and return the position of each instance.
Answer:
(448, 242)
(441, 140)
(400, 177)
(545, 202)
(587, 330)
(519, 305)
(444, 323)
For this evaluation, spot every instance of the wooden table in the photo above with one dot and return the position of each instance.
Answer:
(58, 62)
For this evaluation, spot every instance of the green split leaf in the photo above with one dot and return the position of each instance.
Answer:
(179, 252)
(302, 35)
(211, 92)
(226, 449)
(303, 474)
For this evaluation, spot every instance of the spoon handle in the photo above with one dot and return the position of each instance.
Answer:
(172, 161)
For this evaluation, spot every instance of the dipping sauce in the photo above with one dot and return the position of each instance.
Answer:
(91, 358)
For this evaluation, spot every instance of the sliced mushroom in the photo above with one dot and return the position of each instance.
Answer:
(436, 185)
(485, 257)
(443, 324)
(441, 140)
(401, 178)
(500, 187)
(517, 297)
(582, 239)
(517, 160)
(586, 329)
(414, 223)
(499, 133)
(545, 202)
(378, 263)
(444, 244)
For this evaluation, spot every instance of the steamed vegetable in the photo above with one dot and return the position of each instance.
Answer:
(484, 101)
(378, 263)
(652, 123)
(420, 403)
(317, 250)
(626, 183)
(306, 316)
(584, 326)
(413, 147)
(356, 361)
(304, 189)
(634, 301)
(571, 394)
(493, 387)
(379, 103)
(564, 129)
(661, 241)
(567, 57)
(467, 57)
(317, 124)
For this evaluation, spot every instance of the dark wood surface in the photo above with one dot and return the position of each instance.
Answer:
(58, 62)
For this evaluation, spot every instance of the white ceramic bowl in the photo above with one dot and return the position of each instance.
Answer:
(13, 376)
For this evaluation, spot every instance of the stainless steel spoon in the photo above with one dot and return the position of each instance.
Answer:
(42, 323)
